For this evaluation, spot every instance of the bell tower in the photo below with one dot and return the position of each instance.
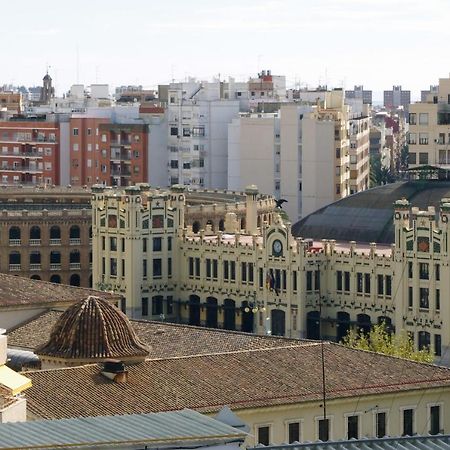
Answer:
(47, 91)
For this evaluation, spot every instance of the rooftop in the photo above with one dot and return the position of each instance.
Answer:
(163, 339)
(242, 379)
(18, 291)
(368, 215)
(186, 428)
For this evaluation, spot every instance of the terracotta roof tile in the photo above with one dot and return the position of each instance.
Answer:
(243, 379)
(16, 291)
(163, 338)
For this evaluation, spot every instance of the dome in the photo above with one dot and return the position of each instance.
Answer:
(368, 215)
(93, 330)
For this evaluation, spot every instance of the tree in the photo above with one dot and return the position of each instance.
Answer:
(379, 340)
(379, 173)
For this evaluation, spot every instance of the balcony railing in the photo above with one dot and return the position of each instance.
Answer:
(75, 265)
(75, 241)
(15, 267)
(29, 169)
(15, 242)
(35, 267)
(55, 241)
(34, 242)
(55, 266)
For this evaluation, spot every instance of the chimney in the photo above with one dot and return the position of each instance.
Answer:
(251, 210)
(114, 370)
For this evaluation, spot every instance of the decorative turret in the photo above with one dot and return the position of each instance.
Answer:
(91, 330)
(251, 214)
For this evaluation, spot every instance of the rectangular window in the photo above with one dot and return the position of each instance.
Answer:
(367, 283)
(233, 270)
(359, 282)
(352, 427)
(191, 266)
(435, 419)
(208, 268)
(169, 267)
(261, 278)
(75, 131)
(437, 345)
(317, 280)
(157, 305)
(324, 430)
(380, 423)
(423, 271)
(423, 158)
(294, 280)
(174, 131)
(412, 158)
(263, 435)
(169, 304)
(347, 281)
(197, 267)
(226, 271)
(423, 138)
(309, 280)
(412, 138)
(412, 118)
(144, 306)
(410, 269)
(410, 297)
(244, 272)
(423, 118)
(123, 267)
(437, 272)
(157, 267)
(144, 245)
(339, 280)
(215, 268)
(157, 244)
(408, 422)
(424, 302)
(388, 285)
(438, 299)
(169, 244)
(293, 432)
(113, 266)
(380, 284)
(144, 268)
(250, 273)
(113, 244)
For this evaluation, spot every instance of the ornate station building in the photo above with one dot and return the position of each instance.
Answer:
(250, 273)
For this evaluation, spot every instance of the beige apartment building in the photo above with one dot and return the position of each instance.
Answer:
(359, 153)
(429, 129)
(255, 276)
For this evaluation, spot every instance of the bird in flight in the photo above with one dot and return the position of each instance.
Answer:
(280, 202)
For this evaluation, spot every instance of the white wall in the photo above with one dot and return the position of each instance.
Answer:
(157, 152)
(317, 164)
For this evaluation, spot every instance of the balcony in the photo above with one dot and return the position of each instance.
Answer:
(24, 168)
(120, 173)
(35, 267)
(15, 267)
(120, 157)
(55, 241)
(55, 266)
(74, 241)
(34, 242)
(75, 265)
(120, 142)
(15, 242)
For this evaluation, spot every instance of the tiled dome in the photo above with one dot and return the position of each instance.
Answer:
(92, 330)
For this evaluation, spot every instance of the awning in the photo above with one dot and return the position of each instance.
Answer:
(13, 381)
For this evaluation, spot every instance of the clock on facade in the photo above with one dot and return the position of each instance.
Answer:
(277, 247)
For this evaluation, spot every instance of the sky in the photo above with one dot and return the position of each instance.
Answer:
(377, 43)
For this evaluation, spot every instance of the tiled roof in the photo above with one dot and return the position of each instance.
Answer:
(19, 291)
(92, 329)
(164, 339)
(244, 379)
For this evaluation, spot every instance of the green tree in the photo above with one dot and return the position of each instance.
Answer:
(379, 340)
(379, 174)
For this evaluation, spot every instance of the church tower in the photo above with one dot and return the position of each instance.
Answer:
(47, 91)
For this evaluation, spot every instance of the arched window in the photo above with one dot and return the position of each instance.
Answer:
(278, 319)
(14, 234)
(194, 310)
(229, 314)
(55, 279)
(55, 232)
(363, 324)
(35, 258)
(74, 257)
(221, 225)
(35, 233)
(313, 325)
(342, 325)
(196, 226)
(14, 258)
(74, 232)
(211, 312)
(75, 280)
(247, 317)
(55, 257)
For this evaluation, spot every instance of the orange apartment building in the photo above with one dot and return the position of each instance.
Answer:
(107, 153)
(29, 151)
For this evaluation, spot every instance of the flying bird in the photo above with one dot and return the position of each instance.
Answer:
(280, 202)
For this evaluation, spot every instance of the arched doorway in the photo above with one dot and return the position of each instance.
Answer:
(194, 310)
(363, 324)
(211, 312)
(387, 322)
(229, 314)
(342, 325)
(196, 226)
(221, 225)
(55, 279)
(313, 325)
(278, 322)
(247, 317)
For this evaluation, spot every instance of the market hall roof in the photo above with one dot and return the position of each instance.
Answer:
(368, 215)
(242, 379)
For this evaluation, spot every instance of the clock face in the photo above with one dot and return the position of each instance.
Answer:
(277, 247)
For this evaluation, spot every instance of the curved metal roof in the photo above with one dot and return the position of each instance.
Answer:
(367, 216)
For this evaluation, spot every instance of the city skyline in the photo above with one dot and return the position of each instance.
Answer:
(340, 43)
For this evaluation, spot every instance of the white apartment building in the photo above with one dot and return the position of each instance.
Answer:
(301, 153)
(429, 129)
(198, 118)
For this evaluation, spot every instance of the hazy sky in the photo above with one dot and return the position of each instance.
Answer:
(377, 43)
